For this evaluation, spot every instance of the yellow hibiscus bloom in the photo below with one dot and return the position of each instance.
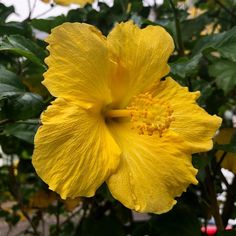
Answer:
(114, 120)
(224, 137)
(68, 2)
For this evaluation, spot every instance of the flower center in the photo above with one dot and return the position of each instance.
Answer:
(148, 115)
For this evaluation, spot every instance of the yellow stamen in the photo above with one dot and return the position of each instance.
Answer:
(147, 114)
(150, 115)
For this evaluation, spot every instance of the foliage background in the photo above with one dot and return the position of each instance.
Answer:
(205, 59)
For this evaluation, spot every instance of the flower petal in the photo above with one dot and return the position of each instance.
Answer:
(153, 170)
(192, 122)
(74, 152)
(79, 68)
(141, 56)
(68, 2)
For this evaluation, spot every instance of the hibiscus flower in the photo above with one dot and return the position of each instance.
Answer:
(116, 120)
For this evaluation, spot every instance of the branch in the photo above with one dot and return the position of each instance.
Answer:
(229, 203)
(45, 12)
(178, 30)
(16, 193)
(214, 204)
(225, 8)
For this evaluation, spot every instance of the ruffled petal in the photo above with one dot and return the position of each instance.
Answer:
(78, 63)
(141, 57)
(224, 137)
(74, 152)
(153, 170)
(192, 122)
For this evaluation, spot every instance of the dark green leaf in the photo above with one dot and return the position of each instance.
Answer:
(46, 25)
(23, 106)
(105, 226)
(10, 83)
(20, 45)
(225, 43)
(227, 233)
(193, 27)
(11, 28)
(225, 73)
(5, 12)
(180, 221)
(185, 67)
(200, 161)
(24, 131)
(228, 147)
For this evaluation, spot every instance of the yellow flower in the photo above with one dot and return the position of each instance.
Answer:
(68, 2)
(224, 137)
(115, 120)
(194, 12)
(211, 29)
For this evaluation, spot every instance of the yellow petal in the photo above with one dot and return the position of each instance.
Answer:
(74, 152)
(192, 122)
(152, 171)
(79, 68)
(67, 2)
(141, 58)
(46, 1)
(224, 137)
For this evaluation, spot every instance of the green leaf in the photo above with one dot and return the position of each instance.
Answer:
(16, 103)
(224, 43)
(10, 28)
(225, 73)
(200, 161)
(180, 221)
(227, 147)
(24, 131)
(24, 106)
(105, 226)
(46, 25)
(193, 27)
(32, 79)
(226, 233)
(10, 83)
(5, 12)
(185, 67)
(20, 45)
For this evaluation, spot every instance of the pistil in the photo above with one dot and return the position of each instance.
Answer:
(118, 113)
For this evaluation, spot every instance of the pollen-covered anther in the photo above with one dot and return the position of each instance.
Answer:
(150, 115)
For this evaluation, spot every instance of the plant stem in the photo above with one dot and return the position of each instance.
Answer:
(6, 121)
(45, 12)
(70, 217)
(16, 193)
(229, 203)
(29, 7)
(178, 30)
(225, 8)
(58, 219)
(214, 204)
(221, 159)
